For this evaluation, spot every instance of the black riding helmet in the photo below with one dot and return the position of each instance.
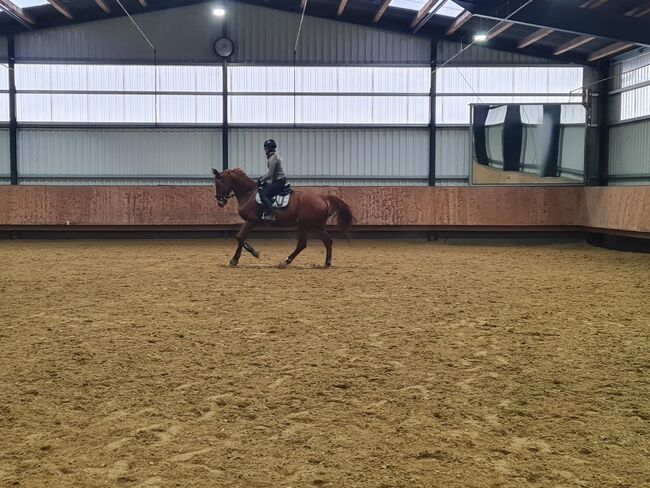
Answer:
(270, 144)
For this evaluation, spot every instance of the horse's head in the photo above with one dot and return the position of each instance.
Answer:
(223, 187)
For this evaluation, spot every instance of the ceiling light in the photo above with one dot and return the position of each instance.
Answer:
(480, 37)
(219, 12)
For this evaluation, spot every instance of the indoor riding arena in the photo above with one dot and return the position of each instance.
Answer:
(172, 314)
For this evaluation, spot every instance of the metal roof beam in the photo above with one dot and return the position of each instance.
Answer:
(534, 37)
(342, 5)
(460, 21)
(103, 5)
(382, 10)
(422, 13)
(498, 29)
(17, 13)
(557, 15)
(574, 43)
(610, 50)
(61, 8)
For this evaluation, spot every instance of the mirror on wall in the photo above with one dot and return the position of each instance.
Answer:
(532, 144)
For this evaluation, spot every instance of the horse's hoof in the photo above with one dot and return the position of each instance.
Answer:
(256, 254)
(284, 264)
(233, 263)
(327, 264)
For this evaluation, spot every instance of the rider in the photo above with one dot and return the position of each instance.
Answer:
(275, 175)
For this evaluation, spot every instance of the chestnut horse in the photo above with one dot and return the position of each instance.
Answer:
(306, 210)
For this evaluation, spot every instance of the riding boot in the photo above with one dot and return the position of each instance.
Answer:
(269, 214)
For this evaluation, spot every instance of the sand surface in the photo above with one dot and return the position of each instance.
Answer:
(408, 364)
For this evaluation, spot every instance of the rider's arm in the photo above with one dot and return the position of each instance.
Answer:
(274, 166)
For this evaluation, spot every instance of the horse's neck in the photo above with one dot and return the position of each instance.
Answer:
(243, 189)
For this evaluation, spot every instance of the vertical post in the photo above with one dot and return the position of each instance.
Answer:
(13, 139)
(224, 126)
(432, 113)
(604, 72)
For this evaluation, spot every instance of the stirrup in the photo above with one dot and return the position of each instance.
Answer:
(268, 217)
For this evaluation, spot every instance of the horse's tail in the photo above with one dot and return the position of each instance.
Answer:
(343, 212)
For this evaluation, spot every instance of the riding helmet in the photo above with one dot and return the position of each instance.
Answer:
(270, 144)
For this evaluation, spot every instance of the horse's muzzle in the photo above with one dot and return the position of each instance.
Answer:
(221, 200)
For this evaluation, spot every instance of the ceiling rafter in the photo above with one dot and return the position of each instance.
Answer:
(61, 8)
(610, 50)
(460, 21)
(342, 5)
(639, 11)
(498, 29)
(574, 43)
(103, 5)
(534, 37)
(382, 10)
(17, 13)
(422, 13)
(592, 4)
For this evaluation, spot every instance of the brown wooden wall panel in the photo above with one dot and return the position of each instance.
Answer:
(617, 208)
(176, 206)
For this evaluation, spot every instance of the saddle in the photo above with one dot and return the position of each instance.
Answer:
(281, 200)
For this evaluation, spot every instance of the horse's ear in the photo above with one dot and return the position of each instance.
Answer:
(216, 173)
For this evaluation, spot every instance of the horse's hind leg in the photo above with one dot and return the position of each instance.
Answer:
(327, 240)
(302, 244)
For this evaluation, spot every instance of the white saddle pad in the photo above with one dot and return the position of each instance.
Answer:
(279, 201)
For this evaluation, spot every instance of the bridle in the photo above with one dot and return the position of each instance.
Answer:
(222, 200)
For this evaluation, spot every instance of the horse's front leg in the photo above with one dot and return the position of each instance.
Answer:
(242, 244)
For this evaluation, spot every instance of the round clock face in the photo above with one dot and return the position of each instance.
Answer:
(224, 47)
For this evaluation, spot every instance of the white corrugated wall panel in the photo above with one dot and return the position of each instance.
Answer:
(362, 155)
(146, 153)
(329, 79)
(5, 165)
(629, 146)
(182, 34)
(452, 153)
(509, 80)
(268, 36)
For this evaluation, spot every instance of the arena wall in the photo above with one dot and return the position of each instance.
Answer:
(390, 208)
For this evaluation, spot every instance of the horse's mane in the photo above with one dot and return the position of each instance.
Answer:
(238, 173)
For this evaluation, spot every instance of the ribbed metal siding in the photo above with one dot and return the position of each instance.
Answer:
(629, 146)
(267, 36)
(452, 153)
(478, 55)
(184, 34)
(5, 165)
(129, 153)
(260, 35)
(368, 156)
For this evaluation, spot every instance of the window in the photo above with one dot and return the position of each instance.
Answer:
(328, 95)
(53, 93)
(446, 8)
(458, 87)
(635, 100)
(4, 94)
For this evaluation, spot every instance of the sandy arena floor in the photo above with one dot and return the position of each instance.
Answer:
(409, 364)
